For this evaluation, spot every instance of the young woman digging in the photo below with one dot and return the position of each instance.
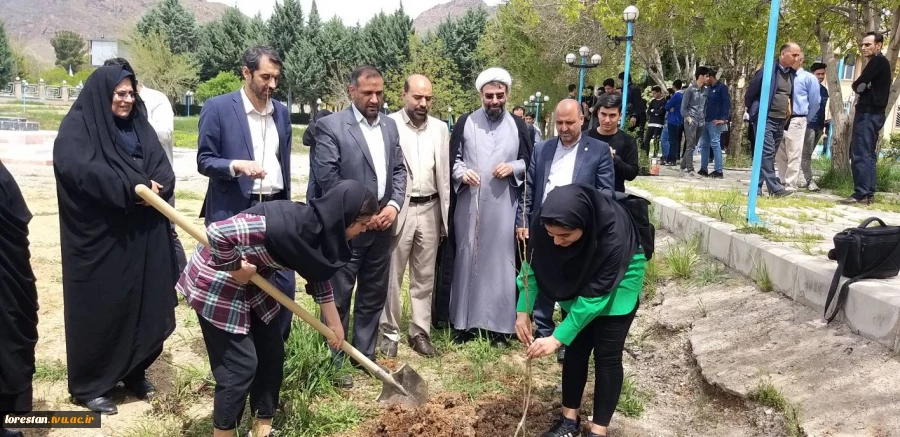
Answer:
(586, 255)
(238, 320)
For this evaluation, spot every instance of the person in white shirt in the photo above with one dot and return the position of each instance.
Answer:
(422, 221)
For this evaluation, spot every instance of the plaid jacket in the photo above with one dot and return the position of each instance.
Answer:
(209, 288)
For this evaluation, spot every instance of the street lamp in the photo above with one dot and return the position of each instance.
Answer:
(450, 118)
(188, 96)
(630, 15)
(537, 100)
(24, 88)
(584, 51)
(385, 106)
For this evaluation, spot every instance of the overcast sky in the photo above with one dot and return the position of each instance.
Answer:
(350, 11)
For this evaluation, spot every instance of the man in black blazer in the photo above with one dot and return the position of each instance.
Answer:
(360, 143)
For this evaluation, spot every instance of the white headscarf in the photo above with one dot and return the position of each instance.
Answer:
(493, 74)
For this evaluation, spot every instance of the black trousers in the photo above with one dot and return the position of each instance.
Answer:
(244, 363)
(652, 132)
(605, 335)
(180, 257)
(18, 403)
(368, 270)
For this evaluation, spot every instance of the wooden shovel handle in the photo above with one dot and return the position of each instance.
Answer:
(199, 233)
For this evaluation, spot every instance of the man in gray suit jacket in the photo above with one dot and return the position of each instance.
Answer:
(361, 144)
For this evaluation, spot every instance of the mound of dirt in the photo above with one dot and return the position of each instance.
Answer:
(453, 415)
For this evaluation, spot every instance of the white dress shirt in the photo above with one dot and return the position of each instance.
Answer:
(420, 146)
(264, 135)
(375, 142)
(562, 169)
(161, 117)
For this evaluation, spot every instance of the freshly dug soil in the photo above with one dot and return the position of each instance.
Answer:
(453, 415)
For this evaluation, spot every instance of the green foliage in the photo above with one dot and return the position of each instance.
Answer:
(341, 43)
(257, 31)
(286, 27)
(385, 41)
(224, 83)
(8, 69)
(177, 25)
(461, 37)
(766, 394)
(305, 63)
(427, 59)
(631, 400)
(681, 258)
(56, 75)
(222, 42)
(70, 48)
(158, 67)
(50, 371)
(311, 404)
(887, 178)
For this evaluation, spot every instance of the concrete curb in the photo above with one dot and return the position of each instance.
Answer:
(872, 309)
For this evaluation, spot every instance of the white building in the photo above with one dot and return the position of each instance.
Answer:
(102, 49)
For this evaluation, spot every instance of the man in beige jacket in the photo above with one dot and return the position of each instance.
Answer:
(422, 222)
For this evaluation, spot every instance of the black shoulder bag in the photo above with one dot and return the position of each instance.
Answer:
(862, 253)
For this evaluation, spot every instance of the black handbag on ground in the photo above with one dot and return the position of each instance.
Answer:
(862, 253)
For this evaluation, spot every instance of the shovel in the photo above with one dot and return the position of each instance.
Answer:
(405, 386)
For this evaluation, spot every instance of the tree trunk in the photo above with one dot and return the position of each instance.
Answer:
(737, 115)
(893, 53)
(840, 145)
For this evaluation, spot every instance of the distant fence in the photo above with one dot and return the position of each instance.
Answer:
(40, 92)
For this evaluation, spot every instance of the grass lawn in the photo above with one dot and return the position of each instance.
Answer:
(186, 131)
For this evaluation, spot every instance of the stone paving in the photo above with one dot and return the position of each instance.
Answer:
(790, 253)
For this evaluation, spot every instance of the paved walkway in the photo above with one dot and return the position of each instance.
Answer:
(790, 253)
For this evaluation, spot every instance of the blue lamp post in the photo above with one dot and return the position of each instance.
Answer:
(583, 52)
(536, 100)
(188, 97)
(450, 118)
(385, 106)
(631, 15)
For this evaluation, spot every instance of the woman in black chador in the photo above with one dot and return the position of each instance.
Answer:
(118, 266)
(18, 303)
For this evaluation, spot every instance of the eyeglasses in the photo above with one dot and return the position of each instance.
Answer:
(125, 95)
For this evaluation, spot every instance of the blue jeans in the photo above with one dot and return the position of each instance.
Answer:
(771, 140)
(711, 137)
(862, 153)
(664, 139)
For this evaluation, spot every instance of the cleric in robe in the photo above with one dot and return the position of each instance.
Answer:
(491, 149)
(118, 264)
(18, 303)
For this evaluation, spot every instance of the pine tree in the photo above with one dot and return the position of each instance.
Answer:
(222, 43)
(286, 26)
(461, 37)
(175, 23)
(257, 32)
(70, 49)
(7, 59)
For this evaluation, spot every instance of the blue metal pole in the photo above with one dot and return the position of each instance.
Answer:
(187, 102)
(537, 112)
(830, 139)
(766, 94)
(627, 73)
(581, 69)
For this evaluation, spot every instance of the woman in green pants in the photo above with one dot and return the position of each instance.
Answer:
(586, 255)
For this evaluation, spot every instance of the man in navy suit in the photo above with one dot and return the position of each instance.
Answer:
(244, 148)
(361, 144)
(571, 158)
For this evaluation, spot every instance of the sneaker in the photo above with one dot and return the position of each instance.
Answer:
(702, 173)
(812, 186)
(782, 193)
(564, 427)
(717, 175)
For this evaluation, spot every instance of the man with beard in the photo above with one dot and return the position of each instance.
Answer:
(18, 298)
(491, 149)
(244, 147)
(360, 143)
(422, 221)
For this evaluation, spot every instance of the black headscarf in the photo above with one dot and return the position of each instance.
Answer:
(312, 239)
(596, 263)
(92, 136)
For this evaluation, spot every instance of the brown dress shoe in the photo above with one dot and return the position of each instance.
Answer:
(422, 346)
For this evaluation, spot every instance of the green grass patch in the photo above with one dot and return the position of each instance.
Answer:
(708, 274)
(681, 258)
(762, 278)
(887, 179)
(187, 140)
(651, 279)
(631, 400)
(793, 236)
(52, 371)
(47, 119)
(187, 124)
(766, 394)
(189, 383)
(743, 161)
(188, 195)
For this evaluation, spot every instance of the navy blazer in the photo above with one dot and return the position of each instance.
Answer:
(593, 166)
(224, 137)
(341, 153)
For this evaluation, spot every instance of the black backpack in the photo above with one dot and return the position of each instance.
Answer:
(639, 209)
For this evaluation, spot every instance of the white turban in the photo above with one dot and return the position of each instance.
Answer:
(493, 74)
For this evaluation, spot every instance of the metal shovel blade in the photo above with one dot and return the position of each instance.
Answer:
(406, 380)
